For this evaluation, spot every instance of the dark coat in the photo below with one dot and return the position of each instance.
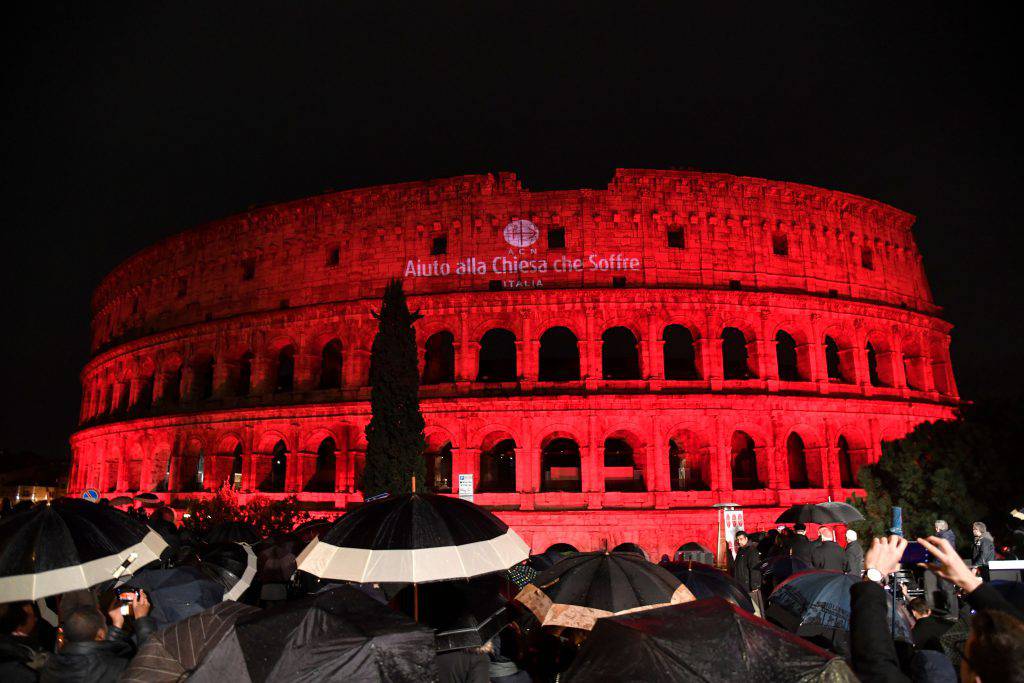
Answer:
(828, 555)
(15, 657)
(873, 654)
(927, 632)
(462, 666)
(800, 548)
(984, 551)
(96, 661)
(949, 535)
(746, 567)
(854, 559)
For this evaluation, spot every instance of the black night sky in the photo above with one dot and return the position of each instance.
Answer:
(125, 124)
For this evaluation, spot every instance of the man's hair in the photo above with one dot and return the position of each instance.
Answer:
(997, 647)
(740, 532)
(826, 534)
(165, 513)
(919, 606)
(980, 526)
(82, 624)
(799, 526)
(13, 616)
(941, 524)
(851, 535)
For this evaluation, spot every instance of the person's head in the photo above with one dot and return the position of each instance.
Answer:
(164, 513)
(17, 617)
(800, 528)
(941, 525)
(994, 651)
(978, 529)
(851, 535)
(826, 534)
(84, 624)
(920, 608)
(741, 538)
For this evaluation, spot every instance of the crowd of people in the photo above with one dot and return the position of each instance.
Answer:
(93, 635)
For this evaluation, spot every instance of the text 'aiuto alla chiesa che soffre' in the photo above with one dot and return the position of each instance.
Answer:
(607, 364)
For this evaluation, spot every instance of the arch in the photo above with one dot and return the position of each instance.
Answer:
(620, 357)
(689, 462)
(852, 453)
(439, 467)
(323, 478)
(439, 358)
(630, 548)
(745, 462)
(735, 357)
(498, 356)
(561, 465)
(559, 356)
(786, 357)
(562, 548)
(284, 370)
(202, 377)
(331, 365)
(796, 457)
(680, 353)
(498, 466)
(913, 362)
(837, 371)
(621, 472)
(879, 361)
(274, 471)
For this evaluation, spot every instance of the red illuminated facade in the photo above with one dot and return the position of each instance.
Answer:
(607, 364)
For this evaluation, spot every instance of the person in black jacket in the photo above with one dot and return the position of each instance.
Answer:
(800, 546)
(92, 653)
(854, 565)
(827, 554)
(927, 628)
(746, 568)
(984, 549)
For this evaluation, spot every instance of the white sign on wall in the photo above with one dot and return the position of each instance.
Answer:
(466, 487)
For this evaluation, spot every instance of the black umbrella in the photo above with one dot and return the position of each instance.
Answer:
(584, 587)
(340, 634)
(705, 581)
(694, 552)
(275, 558)
(177, 593)
(463, 613)
(821, 513)
(70, 544)
(705, 640)
(232, 565)
(414, 538)
(233, 532)
(121, 500)
(147, 496)
(777, 569)
(307, 531)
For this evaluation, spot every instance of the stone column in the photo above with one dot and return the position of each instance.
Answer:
(260, 379)
(188, 376)
(356, 369)
(307, 367)
(761, 358)
(467, 360)
(810, 361)
(709, 354)
(223, 369)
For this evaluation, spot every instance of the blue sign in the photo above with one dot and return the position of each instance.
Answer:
(897, 521)
(91, 495)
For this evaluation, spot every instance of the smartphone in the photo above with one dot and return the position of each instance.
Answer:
(914, 554)
(128, 596)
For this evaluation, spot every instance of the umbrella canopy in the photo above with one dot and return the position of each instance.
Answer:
(307, 531)
(821, 513)
(705, 581)
(694, 552)
(233, 532)
(168, 656)
(147, 496)
(120, 500)
(177, 593)
(232, 565)
(521, 574)
(70, 544)
(587, 586)
(779, 568)
(705, 640)
(818, 602)
(417, 537)
(338, 635)
(463, 613)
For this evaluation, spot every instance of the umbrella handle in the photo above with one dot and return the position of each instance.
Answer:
(124, 565)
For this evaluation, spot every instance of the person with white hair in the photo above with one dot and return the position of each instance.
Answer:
(936, 584)
(854, 555)
(826, 553)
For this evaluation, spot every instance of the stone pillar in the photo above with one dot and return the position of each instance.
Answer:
(188, 376)
(810, 361)
(890, 360)
(467, 361)
(302, 472)
(356, 369)
(307, 366)
(261, 381)
(761, 358)
(135, 390)
(223, 369)
(709, 354)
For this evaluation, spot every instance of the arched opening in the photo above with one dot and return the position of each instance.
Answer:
(439, 358)
(439, 468)
(744, 462)
(680, 354)
(161, 471)
(620, 470)
(630, 548)
(688, 463)
(561, 548)
(191, 467)
(498, 357)
(243, 378)
(237, 464)
(913, 363)
(323, 477)
(735, 358)
(560, 466)
(834, 362)
(331, 365)
(847, 473)
(796, 456)
(498, 468)
(786, 357)
(559, 356)
(941, 375)
(202, 378)
(873, 376)
(145, 396)
(880, 362)
(276, 474)
(171, 390)
(285, 375)
(620, 358)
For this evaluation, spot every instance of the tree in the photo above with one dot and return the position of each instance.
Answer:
(961, 470)
(394, 436)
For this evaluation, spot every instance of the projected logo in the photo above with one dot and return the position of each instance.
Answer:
(521, 233)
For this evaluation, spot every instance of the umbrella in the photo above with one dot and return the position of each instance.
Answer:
(232, 532)
(463, 613)
(694, 552)
(705, 581)
(780, 567)
(147, 496)
(70, 544)
(705, 640)
(822, 513)
(177, 593)
(416, 538)
(168, 656)
(521, 574)
(275, 559)
(232, 565)
(586, 586)
(307, 531)
(340, 634)
(818, 603)
(121, 500)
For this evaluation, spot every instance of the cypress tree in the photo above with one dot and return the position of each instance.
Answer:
(394, 435)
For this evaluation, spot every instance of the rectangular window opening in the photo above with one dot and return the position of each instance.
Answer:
(556, 238)
(439, 246)
(182, 287)
(867, 259)
(619, 281)
(735, 285)
(780, 245)
(248, 268)
(494, 285)
(676, 239)
(333, 256)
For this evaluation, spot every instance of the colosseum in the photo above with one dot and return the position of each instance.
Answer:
(608, 364)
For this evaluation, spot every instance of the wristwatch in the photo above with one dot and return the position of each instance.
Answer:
(872, 574)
